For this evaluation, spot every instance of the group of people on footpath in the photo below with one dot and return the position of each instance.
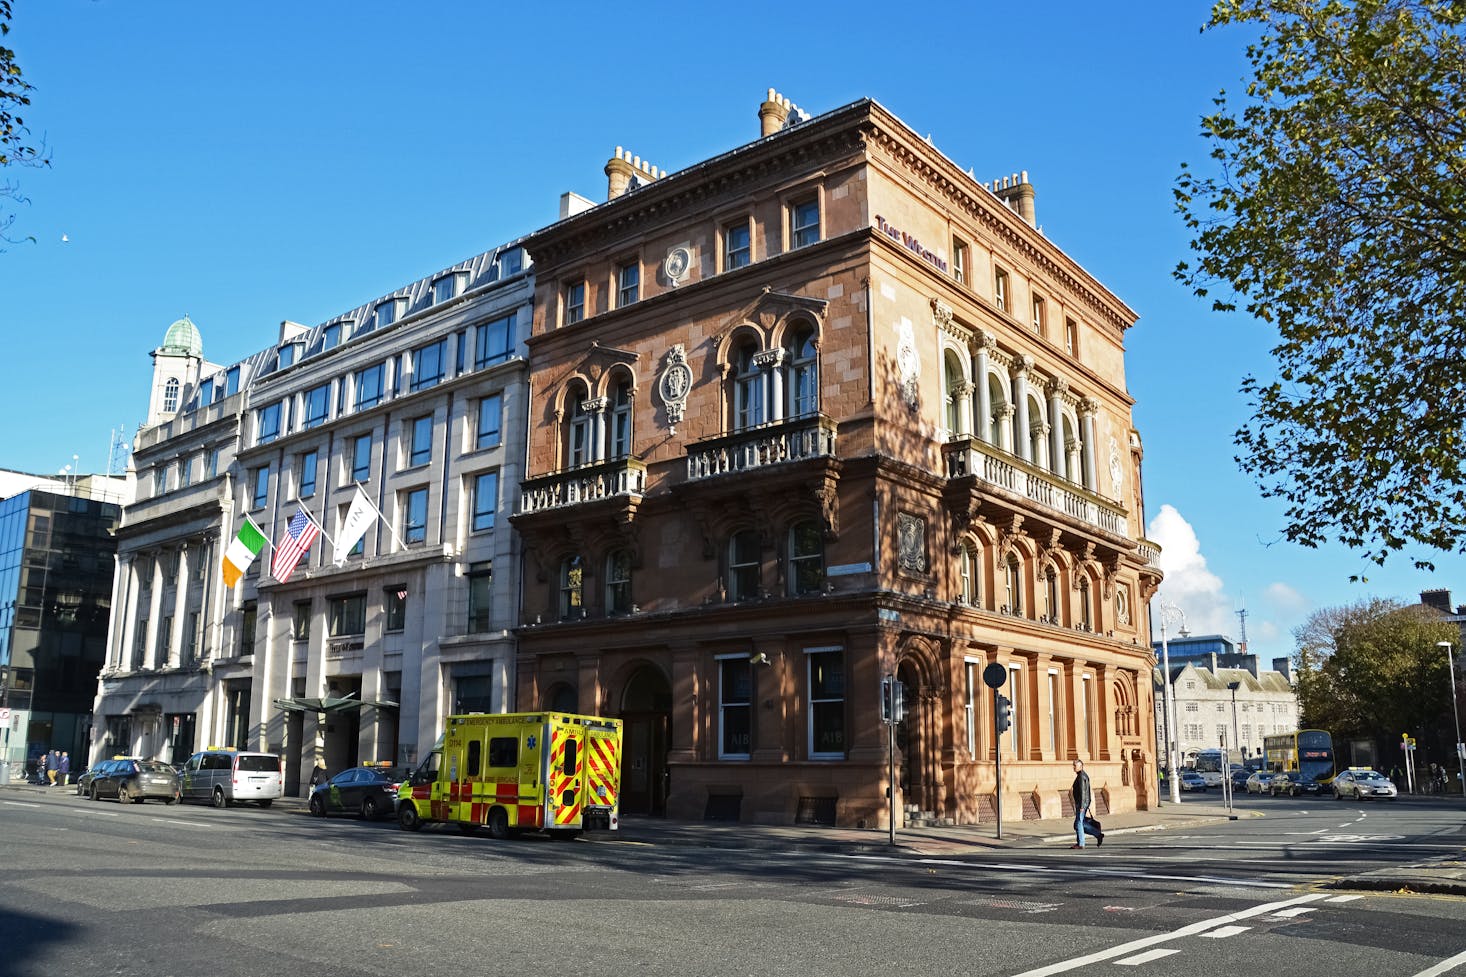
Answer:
(55, 768)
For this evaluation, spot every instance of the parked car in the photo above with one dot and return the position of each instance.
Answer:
(1239, 779)
(132, 780)
(1361, 783)
(1293, 784)
(370, 791)
(84, 779)
(1258, 782)
(224, 777)
(1191, 780)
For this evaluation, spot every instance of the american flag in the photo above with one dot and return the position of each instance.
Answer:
(402, 595)
(299, 536)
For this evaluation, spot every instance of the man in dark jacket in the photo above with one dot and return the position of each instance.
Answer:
(1083, 801)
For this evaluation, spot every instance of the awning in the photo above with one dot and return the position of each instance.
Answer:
(330, 704)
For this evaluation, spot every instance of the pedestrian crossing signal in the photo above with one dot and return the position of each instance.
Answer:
(1004, 715)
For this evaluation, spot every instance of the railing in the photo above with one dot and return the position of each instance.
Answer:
(588, 483)
(1150, 553)
(760, 447)
(968, 455)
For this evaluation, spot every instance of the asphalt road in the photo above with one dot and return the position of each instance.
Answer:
(99, 888)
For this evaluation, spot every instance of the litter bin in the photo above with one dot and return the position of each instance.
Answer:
(4, 772)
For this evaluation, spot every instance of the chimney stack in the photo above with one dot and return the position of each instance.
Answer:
(1438, 599)
(773, 114)
(1017, 193)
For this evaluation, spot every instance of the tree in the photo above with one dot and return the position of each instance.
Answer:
(1335, 214)
(1373, 669)
(16, 148)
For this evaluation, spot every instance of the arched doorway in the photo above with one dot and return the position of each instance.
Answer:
(914, 747)
(646, 710)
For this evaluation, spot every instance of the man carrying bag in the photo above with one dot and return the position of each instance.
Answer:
(1083, 801)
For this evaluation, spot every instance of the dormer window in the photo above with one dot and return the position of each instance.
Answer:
(449, 286)
(331, 336)
(389, 312)
(511, 262)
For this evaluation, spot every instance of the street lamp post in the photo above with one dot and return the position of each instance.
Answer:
(1236, 731)
(1172, 772)
(1456, 714)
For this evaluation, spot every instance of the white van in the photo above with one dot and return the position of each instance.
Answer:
(224, 777)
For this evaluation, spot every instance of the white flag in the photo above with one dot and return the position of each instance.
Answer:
(359, 519)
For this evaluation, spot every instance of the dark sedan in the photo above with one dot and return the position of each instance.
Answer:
(133, 781)
(368, 791)
(1293, 784)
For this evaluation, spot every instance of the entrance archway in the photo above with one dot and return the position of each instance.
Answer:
(646, 710)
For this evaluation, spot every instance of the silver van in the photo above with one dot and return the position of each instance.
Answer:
(224, 777)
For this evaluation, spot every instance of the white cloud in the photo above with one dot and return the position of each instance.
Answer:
(1285, 598)
(1189, 585)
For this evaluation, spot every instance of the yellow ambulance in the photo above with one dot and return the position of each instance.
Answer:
(519, 772)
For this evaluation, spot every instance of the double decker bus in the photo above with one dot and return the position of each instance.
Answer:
(1308, 751)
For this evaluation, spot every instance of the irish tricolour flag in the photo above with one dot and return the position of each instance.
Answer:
(242, 551)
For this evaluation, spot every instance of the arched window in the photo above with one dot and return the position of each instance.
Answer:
(743, 565)
(562, 698)
(1086, 619)
(803, 367)
(955, 390)
(578, 447)
(806, 558)
(572, 587)
(999, 419)
(969, 576)
(1037, 445)
(749, 390)
(1013, 581)
(170, 394)
(620, 430)
(618, 582)
(1051, 596)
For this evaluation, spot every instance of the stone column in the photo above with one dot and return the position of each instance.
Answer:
(962, 394)
(984, 344)
(119, 630)
(1005, 428)
(596, 409)
(771, 362)
(1087, 408)
(1021, 433)
(180, 607)
(1057, 390)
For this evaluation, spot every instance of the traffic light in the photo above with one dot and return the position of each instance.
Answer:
(893, 701)
(1004, 712)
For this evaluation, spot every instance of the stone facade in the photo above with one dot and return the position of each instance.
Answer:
(815, 412)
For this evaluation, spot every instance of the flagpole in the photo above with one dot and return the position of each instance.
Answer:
(380, 514)
(315, 522)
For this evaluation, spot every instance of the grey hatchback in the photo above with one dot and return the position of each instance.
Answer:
(134, 781)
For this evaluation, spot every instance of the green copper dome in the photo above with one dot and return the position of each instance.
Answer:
(183, 339)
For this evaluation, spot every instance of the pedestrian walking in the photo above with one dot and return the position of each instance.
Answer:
(53, 766)
(1083, 801)
(63, 769)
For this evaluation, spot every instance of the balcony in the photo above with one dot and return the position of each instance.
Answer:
(772, 444)
(969, 456)
(623, 477)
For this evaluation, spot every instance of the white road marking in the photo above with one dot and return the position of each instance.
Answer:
(1343, 898)
(1147, 942)
(1293, 913)
(100, 814)
(20, 804)
(1450, 963)
(1145, 957)
(1223, 932)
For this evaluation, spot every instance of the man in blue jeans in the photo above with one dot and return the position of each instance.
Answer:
(1083, 801)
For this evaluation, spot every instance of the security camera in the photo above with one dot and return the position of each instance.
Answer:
(758, 658)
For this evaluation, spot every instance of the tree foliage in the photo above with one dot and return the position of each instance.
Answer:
(1335, 212)
(16, 146)
(1373, 669)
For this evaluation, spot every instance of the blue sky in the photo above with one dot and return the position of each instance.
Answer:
(248, 163)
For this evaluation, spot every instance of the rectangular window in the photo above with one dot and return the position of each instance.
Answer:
(300, 625)
(369, 386)
(1071, 336)
(495, 342)
(460, 351)
(1015, 683)
(385, 314)
(317, 402)
(511, 262)
(247, 617)
(415, 515)
(267, 423)
(804, 222)
(959, 260)
(1088, 710)
(185, 472)
(448, 287)
(827, 703)
(1038, 316)
(735, 707)
(305, 466)
(628, 284)
(969, 708)
(427, 365)
(574, 302)
(395, 599)
(211, 463)
(737, 250)
(490, 421)
(485, 500)
(231, 382)
(420, 440)
(361, 458)
(160, 480)
(287, 355)
(1053, 713)
(191, 638)
(480, 589)
(347, 615)
(331, 336)
(1000, 289)
(260, 479)
(206, 393)
(504, 752)
(165, 639)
